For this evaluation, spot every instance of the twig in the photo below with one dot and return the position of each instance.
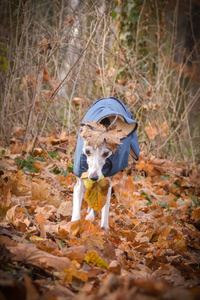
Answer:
(61, 84)
(113, 122)
(30, 219)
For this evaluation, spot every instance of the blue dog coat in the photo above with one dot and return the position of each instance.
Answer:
(109, 108)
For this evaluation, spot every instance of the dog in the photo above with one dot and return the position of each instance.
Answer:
(101, 160)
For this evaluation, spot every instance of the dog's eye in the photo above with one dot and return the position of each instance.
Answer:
(87, 152)
(105, 154)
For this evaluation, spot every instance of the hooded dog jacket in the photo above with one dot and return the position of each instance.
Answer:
(106, 110)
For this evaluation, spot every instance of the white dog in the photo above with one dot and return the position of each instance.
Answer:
(95, 154)
(95, 159)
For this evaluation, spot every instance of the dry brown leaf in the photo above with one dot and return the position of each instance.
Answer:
(80, 226)
(114, 267)
(39, 219)
(65, 209)
(46, 76)
(40, 190)
(15, 216)
(11, 214)
(78, 101)
(75, 253)
(93, 241)
(152, 131)
(19, 183)
(30, 254)
(96, 195)
(73, 272)
(47, 246)
(47, 211)
(195, 215)
(95, 134)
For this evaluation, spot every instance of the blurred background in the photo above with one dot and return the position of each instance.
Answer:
(58, 57)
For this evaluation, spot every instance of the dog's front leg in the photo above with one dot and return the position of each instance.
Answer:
(105, 209)
(77, 199)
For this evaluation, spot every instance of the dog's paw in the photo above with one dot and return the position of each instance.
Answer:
(75, 218)
(106, 229)
(90, 216)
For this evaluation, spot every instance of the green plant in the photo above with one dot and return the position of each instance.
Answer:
(26, 165)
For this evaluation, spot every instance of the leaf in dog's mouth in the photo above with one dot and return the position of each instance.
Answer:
(96, 194)
(95, 134)
(88, 182)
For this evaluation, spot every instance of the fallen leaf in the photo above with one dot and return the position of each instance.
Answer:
(195, 215)
(16, 217)
(30, 254)
(65, 209)
(11, 214)
(93, 241)
(93, 258)
(47, 211)
(80, 226)
(73, 272)
(114, 267)
(39, 219)
(40, 190)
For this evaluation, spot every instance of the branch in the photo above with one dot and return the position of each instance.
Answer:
(62, 82)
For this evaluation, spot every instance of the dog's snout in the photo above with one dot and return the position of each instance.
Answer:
(94, 177)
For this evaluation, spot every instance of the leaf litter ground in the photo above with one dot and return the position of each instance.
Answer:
(152, 250)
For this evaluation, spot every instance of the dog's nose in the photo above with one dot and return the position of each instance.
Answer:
(94, 177)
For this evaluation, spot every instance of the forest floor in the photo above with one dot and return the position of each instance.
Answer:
(152, 249)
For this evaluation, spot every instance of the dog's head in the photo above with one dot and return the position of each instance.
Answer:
(99, 143)
(96, 159)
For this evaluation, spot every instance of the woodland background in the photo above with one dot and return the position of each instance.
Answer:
(57, 57)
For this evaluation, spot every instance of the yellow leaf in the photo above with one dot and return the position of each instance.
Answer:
(96, 194)
(93, 258)
(87, 181)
